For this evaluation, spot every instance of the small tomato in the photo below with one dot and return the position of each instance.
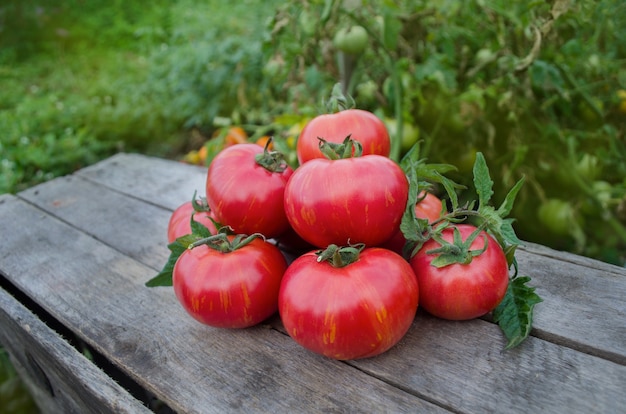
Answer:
(468, 286)
(180, 220)
(360, 125)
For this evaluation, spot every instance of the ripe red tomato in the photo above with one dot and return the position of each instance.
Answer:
(245, 195)
(180, 221)
(462, 291)
(363, 126)
(233, 289)
(429, 207)
(351, 200)
(356, 311)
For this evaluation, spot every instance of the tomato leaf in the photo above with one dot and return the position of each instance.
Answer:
(177, 247)
(507, 204)
(514, 315)
(458, 251)
(200, 229)
(482, 180)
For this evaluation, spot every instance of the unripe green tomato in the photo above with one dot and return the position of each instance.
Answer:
(588, 167)
(351, 40)
(558, 216)
(366, 91)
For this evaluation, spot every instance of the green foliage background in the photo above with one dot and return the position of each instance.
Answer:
(535, 86)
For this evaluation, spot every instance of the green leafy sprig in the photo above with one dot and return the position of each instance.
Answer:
(198, 232)
(514, 314)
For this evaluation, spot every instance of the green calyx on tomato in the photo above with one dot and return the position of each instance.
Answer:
(340, 256)
(349, 148)
(339, 101)
(225, 244)
(458, 251)
(272, 161)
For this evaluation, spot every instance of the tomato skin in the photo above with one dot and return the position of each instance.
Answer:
(180, 221)
(244, 195)
(462, 291)
(236, 289)
(428, 208)
(357, 311)
(362, 125)
(352, 200)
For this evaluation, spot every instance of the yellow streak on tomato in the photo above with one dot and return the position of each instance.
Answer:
(195, 304)
(308, 215)
(246, 296)
(330, 333)
(329, 336)
(389, 198)
(225, 300)
(381, 314)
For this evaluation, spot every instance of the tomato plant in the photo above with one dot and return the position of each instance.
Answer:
(245, 187)
(348, 303)
(363, 126)
(462, 273)
(180, 220)
(229, 281)
(357, 199)
(428, 207)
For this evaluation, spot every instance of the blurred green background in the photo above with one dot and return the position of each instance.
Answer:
(538, 87)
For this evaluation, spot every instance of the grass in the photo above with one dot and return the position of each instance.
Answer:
(83, 82)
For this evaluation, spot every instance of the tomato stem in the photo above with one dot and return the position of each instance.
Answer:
(222, 243)
(340, 256)
(339, 101)
(272, 161)
(349, 148)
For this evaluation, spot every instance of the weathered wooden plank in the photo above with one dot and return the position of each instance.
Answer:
(578, 292)
(163, 182)
(98, 293)
(60, 379)
(133, 343)
(464, 365)
(584, 306)
(132, 226)
(539, 250)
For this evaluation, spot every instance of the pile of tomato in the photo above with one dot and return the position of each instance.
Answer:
(321, 244)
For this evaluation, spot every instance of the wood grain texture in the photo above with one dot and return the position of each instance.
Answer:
(584, 307)
(60, 379)
(75, 269)
(149, 178)
(99, 294)
(578, 292)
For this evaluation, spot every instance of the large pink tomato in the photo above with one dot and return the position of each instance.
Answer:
(358, 310)
(246, 193)
(362, 126)
(464, 290)
(351, 200)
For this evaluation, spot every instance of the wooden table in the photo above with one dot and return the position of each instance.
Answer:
(88, 336)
